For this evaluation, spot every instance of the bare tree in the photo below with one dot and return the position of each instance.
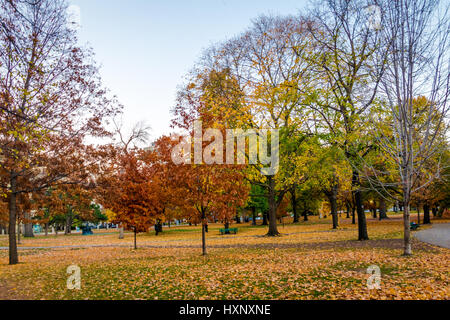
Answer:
(415, 89)
(139, 134)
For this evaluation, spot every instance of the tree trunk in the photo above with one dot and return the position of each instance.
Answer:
(265, 223)
(238, 219)
(121, 235)
(273, 230)
(382, 209)
(332, 195)
(227, 226)
(46, 229)
(253, 216)
(294, 204)
(68, 229)
(353, 215)
(418, 214)
(203, 233)
(158, 227)
(19, 231)
(362, 224)
(434, 210)
(374, 213)
(28, 226)
(334, 217)
(426, 214)
(135, 240)
(407, 229)
(13, 257)
(347, 207)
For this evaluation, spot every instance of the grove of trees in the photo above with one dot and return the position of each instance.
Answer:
(359, 98)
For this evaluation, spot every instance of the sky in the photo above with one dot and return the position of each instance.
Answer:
(146, 47)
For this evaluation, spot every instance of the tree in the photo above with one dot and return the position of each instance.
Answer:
(132, 193)
(257, 202)
(329, 172)
(209, 191)
(345, 52)
(251, 83)
(50, 101)
(435, 192)
(415, 92)
(66, 204)
(138, 135)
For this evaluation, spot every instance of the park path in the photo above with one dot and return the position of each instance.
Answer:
(438, 235)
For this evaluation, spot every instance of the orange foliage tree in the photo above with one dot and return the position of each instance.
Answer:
(133, 192)
(209, 192)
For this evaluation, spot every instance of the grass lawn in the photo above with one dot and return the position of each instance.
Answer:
(309, 261)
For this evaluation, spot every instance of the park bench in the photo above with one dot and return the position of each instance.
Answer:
(228, 231)
(414, 226)
(86, 230)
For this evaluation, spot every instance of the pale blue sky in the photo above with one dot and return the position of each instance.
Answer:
(145, 47)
